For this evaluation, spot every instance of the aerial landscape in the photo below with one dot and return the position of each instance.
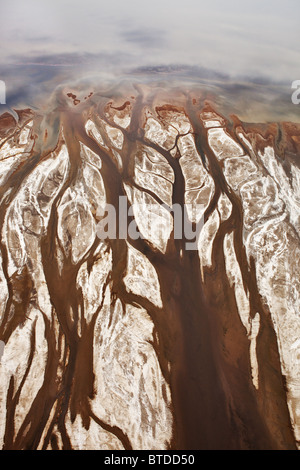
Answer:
(150, 226)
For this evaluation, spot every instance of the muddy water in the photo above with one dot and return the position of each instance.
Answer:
(201, 345)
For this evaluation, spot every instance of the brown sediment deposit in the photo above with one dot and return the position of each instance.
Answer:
(7, 122)
(122, 107)
(142, 343)
(74, 98)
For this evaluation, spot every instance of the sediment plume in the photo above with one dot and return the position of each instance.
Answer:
(140, 342)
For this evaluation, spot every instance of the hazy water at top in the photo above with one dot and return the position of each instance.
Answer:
(45, 43)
